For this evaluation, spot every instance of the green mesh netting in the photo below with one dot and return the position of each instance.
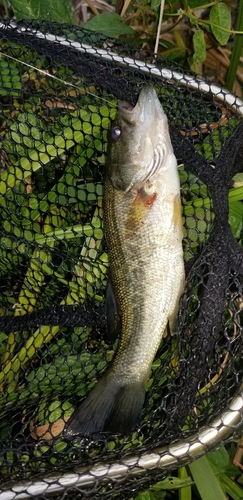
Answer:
(59, 88)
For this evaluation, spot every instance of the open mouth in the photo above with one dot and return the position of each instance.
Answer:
(129, 113)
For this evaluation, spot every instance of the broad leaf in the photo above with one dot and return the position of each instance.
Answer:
(148, 495)
(155, 4)
(172, 483)
(193, 4)
(54, 10)
(219, 459)
(220, 20)
(199, 44)
(109, 24)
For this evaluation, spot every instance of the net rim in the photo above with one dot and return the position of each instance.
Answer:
(225, 425)
(164, 458)
(196, 83)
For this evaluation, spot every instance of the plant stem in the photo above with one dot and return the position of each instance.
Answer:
(236, 52)
(5, 4)
(186, 492)
(159, 26)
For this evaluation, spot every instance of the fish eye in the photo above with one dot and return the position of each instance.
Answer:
(115, 132)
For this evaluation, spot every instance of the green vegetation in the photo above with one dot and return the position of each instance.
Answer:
(63, 150)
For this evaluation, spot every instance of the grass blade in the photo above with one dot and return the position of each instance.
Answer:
(207, 483)
(186, 492)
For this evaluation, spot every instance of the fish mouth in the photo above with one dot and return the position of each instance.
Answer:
(129, 113)
(146, 124)
(157, 160)
(148, 106)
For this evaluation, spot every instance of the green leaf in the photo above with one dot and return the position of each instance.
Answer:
(219, 460)
(220, 20)
(185, 493)
(146, 495)
(155, 4)
(172, 483)
(236, 218)
(193, 4)
(206, 482)
(3, 336)
(109, 24)
(9, 79)
(232, 488)
(238, 179)
(199, 44)
(236, 194)
(54, 10)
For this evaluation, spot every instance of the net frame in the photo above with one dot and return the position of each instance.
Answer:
(164, 458)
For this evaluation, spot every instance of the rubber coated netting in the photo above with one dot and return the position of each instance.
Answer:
(59, 88)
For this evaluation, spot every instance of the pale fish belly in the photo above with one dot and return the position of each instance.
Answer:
(153, 277)
(153, 307)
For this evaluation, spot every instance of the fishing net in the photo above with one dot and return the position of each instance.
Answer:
(59, 88)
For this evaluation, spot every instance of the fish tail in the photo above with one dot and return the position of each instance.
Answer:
(110, 407)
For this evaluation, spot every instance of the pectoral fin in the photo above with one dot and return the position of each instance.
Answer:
(177, 217)
(112, 313)
(173, 323)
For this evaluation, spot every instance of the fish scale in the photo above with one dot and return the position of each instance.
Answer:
(143, 227)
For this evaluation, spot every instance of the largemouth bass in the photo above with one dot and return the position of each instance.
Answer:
(143, 224)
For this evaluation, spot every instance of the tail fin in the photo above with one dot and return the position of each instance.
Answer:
(109, 406)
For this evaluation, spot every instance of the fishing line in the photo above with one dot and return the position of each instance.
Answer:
(42, 71)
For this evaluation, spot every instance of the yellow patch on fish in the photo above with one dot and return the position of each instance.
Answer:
(177, 217)
(138, 210)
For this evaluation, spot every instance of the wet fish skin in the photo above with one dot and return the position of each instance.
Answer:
(142, 214)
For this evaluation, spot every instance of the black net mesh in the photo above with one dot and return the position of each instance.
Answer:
(59, 88)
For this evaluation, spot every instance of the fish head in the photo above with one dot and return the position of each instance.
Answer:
(139, 142)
